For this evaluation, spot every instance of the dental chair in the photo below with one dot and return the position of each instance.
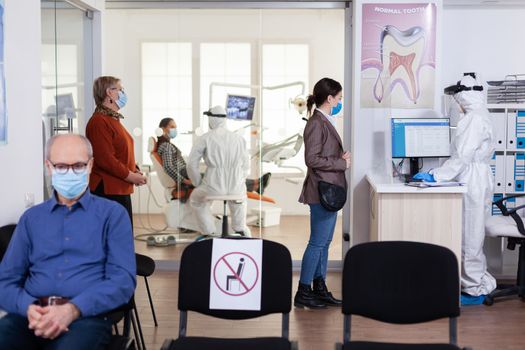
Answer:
(281, 151)
(178, 214)
(509, 225)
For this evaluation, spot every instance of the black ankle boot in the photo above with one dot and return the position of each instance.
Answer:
(323, 294)
(305, 297)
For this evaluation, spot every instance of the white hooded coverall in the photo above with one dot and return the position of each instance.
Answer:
(471, 151)
(227, 166)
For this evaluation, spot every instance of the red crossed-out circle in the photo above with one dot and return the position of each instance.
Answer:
(247, 288)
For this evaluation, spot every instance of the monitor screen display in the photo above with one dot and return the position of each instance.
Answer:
(65, 105)
(420, 137)
(240, 107)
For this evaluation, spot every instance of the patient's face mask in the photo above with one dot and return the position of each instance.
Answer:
(70, 185)
(172, 133)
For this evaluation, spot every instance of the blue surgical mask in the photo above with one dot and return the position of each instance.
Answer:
(335, 110)
(122, 99)
(172, 133)
(69, 185)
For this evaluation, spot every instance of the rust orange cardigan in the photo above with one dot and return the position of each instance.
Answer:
(112, 152)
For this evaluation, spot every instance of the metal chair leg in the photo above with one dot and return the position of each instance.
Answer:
(151, 302)
(135, 332)
(225, 221)
(139, 326)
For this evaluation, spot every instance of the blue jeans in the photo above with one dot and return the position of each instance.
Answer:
(315, 258)
(90, 333)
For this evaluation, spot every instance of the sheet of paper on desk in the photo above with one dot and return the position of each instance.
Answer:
(425, 184)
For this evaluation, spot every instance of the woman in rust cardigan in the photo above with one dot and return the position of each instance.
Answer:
(326, 161)
(114, 171)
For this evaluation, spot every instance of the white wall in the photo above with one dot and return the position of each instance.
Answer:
(125, 30)
(484, 40)
(488, 41)
(371, 130)
(21, 159)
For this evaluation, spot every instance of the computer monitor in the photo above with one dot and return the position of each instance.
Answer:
(416, 138)
(240, 107)
(65, 105)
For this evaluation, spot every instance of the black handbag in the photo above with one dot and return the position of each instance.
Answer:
(332, 197)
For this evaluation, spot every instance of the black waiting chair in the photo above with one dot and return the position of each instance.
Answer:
(145, 268)
(118, 342)
(6, 232)
(401, 283)
(509, 225)
(194, 295)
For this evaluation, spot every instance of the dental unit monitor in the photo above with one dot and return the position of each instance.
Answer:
(416, 138)
(240, 107)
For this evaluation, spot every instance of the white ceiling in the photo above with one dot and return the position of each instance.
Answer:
(446, 3)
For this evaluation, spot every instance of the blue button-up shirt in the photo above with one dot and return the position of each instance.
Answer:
(84, 253)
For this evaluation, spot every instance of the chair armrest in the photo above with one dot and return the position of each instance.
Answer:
(502, 207)
(513, 210)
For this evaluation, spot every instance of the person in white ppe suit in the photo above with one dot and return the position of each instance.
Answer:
(227, 166)
(471, 152)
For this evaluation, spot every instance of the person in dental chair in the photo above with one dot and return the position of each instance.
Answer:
(175, 165)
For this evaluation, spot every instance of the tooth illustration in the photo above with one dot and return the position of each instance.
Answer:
(401, 53)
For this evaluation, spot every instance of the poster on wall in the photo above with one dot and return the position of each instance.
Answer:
(398, 55)
(3, 113)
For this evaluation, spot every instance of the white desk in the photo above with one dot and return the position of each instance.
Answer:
(430, 215)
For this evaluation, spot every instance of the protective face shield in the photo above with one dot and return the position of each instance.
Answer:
(217, 117)
(453, 110)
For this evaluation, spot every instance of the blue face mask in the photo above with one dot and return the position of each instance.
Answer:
(122, 99)
(69, 185)
(172, 133)
(335, 110)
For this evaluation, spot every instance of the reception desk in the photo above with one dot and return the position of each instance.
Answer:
(403, 213)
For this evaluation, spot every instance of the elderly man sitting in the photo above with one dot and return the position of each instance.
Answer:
(71, 260)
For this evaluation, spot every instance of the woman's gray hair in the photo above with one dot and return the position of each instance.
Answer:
(52, 140)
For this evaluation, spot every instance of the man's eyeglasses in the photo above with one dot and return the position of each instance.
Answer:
(78, 168)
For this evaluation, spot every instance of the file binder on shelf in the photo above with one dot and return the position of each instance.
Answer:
(511, 130)
(509, 174)
(499, 127)
(520, 129)
(519, 172)
(498, 170)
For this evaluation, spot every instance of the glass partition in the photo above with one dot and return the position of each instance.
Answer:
(62, 69)
(178, 63)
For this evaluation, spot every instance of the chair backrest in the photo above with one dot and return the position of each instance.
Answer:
(6, 232)
(276, 281)
(165, 180)
(401, 282)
